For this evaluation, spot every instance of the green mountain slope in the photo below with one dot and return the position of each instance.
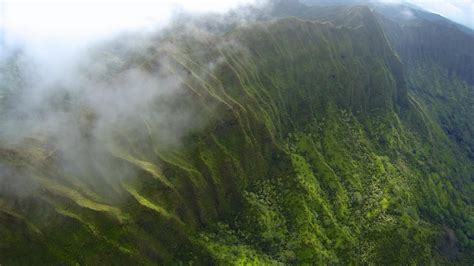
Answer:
(319, 145)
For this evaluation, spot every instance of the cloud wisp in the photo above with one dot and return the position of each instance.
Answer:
(91, 106)
(460, 11)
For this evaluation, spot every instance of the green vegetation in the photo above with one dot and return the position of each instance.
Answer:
(320, 147)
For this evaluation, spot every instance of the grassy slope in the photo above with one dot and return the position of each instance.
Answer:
(314, 152)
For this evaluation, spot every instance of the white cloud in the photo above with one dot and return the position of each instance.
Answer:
(461, 11)
(408, 14)
(56, 31)
(77, 21)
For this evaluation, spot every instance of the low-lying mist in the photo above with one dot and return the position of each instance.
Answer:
(82, 112)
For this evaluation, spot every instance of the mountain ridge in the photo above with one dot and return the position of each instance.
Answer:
(316, 149)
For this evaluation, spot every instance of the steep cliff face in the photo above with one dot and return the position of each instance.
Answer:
(439, 58)
(437, 67)
(311, 149)
(420, 39)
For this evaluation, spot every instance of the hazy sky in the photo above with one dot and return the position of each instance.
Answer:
(76, 21)
(461, 11)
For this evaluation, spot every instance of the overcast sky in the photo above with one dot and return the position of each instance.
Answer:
(76, 21)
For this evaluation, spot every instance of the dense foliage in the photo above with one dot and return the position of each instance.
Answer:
(321, 144)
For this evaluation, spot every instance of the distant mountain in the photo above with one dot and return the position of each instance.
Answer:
(331, 134)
